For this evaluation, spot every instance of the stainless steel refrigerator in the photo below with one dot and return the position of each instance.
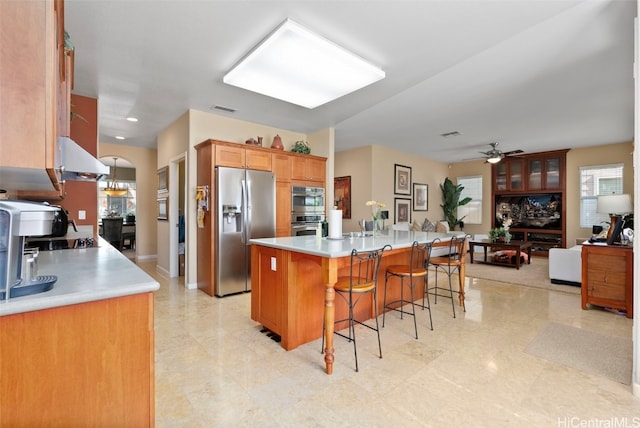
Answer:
(245, 209)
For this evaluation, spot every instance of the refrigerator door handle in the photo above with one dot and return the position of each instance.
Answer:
(246, 218)
(247, 210)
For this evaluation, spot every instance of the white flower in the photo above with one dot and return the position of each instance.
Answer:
(375, 208)
(507, 223)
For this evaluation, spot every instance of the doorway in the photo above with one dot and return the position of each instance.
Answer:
(177, 210)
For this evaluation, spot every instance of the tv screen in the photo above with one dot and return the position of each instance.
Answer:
(539, 211)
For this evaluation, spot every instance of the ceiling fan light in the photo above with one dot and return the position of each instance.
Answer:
(300, 67)
(494, 159)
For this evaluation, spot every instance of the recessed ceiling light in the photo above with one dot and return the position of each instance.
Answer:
(119, 137)
(298, 66)
(132, 119)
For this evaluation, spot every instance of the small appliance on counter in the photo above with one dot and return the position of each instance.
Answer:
(18, 269)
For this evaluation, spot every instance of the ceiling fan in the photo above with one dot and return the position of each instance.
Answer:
(494, 155)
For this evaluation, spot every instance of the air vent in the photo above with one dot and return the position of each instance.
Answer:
(450, 134)
(223, 108)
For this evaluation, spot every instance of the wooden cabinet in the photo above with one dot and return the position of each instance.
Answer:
(308, 168)
(282, 166)
(36, 87)
(283, 208)
(89, 364)
(258, 159)
(268, 268)
(546, 172)
(607, 277)
(238, 156)
(508, 175)
(532, 187)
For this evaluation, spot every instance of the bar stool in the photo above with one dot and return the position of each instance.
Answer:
(450, 264)
(416, 269)
(362, 280)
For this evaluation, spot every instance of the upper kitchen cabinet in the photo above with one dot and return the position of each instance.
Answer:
(35, 85)
(308, 168)
(238, 156)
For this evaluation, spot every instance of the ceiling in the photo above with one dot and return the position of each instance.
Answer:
(532, 75)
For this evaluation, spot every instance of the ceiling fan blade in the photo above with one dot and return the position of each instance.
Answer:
(513, 152)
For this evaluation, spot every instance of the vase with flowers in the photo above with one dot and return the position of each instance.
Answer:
(376, 214)
(501, 234)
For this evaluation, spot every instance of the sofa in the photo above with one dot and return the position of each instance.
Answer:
(565, 265)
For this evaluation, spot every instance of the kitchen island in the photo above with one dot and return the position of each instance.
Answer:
(81, 354)
(292, 282)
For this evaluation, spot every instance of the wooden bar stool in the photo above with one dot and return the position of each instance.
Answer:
(416, 269)
(450, 264)
(362, 280)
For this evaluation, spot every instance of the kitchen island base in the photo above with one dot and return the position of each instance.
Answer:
(293, 291)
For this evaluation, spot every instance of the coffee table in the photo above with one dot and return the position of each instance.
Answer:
(518, 246)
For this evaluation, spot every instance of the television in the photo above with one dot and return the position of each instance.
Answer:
(534, 211)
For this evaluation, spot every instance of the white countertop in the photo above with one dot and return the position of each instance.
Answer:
(326, 247)
(84, 275)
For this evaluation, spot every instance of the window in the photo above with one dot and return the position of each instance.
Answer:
(472, 212)
(117, 205)
(596, 181)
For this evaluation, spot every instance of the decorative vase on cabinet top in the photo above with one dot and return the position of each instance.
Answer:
(277, 143)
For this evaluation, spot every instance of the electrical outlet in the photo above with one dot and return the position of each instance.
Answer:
(82, 215)
(273, 264)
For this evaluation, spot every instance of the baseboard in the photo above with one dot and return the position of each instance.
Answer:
(563, 282)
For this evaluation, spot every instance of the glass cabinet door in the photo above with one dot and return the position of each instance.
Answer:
(535, 174)
(552, 173)
(501, 176)
(515, 174)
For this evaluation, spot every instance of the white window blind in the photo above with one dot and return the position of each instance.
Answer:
(472, 212)
(596, 181)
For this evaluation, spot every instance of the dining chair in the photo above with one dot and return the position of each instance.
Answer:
(112, 231)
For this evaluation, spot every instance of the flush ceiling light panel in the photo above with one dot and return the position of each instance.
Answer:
(295, 65)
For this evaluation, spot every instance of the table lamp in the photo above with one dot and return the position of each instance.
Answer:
(615, 206)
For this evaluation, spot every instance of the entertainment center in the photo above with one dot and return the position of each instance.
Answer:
(529, 189)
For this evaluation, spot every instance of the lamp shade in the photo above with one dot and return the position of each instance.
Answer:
(614, 204)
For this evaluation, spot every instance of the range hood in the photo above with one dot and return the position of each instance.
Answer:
(77, 164)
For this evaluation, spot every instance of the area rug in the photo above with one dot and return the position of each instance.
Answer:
(535, 274)
(584, 350)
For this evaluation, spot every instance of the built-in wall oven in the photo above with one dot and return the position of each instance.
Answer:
(307, 209)
(307, 200)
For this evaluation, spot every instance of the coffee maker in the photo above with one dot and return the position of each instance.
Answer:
(18, 220)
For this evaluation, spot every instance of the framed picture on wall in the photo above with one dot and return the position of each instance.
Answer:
(163, 179)
(420, 197)
(342, 195)
(163, 208)
(402, 180)
(402, 210)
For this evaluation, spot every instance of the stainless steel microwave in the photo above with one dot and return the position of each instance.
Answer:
(306, 200)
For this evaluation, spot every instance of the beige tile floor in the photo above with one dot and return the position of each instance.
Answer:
(214, 368)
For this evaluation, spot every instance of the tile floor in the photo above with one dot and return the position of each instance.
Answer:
(214, 368)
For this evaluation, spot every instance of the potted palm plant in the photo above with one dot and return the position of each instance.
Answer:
(451, 201)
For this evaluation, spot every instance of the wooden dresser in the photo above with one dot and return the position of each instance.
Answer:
(607, 277)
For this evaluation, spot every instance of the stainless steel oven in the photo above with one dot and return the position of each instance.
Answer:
(307, 200)
(302, 224)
